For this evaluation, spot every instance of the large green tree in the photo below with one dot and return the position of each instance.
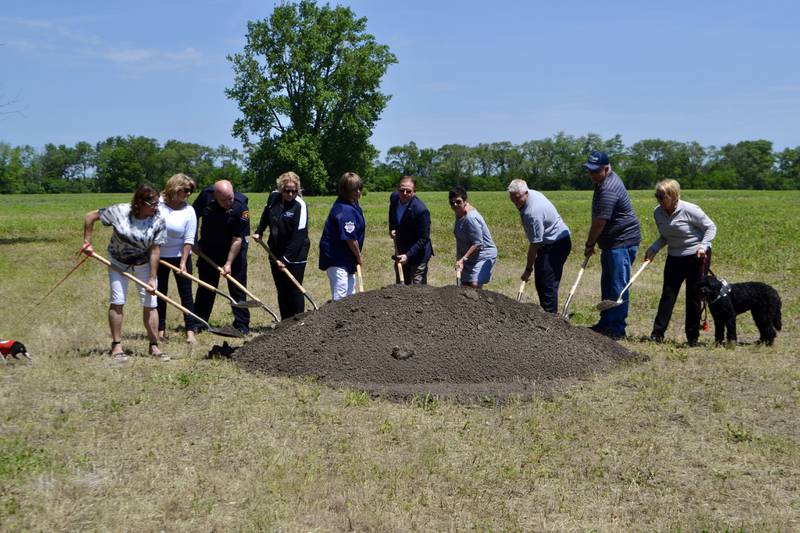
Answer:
(308, 86)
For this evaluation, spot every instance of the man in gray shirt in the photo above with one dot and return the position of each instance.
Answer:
(549, 242)
(615, 229)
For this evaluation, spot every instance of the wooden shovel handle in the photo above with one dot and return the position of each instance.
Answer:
(633, 278)
(564, 314)
(284, 270)
(397, 265)
(359, 278)
(146, 286)
(187, 275)
(229, 277)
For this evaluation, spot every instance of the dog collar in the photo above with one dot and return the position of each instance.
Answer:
(724, 291)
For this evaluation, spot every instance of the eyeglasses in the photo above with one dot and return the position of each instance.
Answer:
(151, 203)
(457, 202)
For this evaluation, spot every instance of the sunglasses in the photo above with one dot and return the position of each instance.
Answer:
(405, 191)
(660, 196)
(150, 203)
(290, 191)
(456, 202)
(188, 190)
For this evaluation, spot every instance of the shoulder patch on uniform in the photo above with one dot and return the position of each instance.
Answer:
(349, 226)
(245, 215)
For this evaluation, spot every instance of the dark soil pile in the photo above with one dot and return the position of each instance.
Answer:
(453, 342)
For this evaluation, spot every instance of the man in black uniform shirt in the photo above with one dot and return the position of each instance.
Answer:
(225, 225)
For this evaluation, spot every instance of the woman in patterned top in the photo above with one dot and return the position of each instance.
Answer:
(139, 232)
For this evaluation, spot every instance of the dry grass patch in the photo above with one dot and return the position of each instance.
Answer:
(692, 439)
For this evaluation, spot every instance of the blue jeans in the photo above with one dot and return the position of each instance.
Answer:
(616, 266)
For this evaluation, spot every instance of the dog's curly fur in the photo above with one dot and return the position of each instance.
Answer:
(760, 299)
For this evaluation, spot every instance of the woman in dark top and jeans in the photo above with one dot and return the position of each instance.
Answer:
(287, 217)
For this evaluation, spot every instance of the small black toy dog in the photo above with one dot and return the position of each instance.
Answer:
(13, 349)
(726, 300)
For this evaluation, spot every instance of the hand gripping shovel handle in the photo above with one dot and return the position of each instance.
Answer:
(289, 274)
(360, 278)
(521, 290)
(564, 314)
(200, 282)
(235, 281)
(167, 299)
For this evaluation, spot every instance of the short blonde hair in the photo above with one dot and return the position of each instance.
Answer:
(669, 188)
(287, 178)
(176, 183)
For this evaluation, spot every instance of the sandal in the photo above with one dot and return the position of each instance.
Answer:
(118, 356)
(160, 355)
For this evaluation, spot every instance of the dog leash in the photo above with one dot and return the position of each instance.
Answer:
(57, 285)
(706, 271)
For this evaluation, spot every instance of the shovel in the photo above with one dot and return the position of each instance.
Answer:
(233, 280)
(286, 271)
(359, 278)
(223, 332)
(610, 304)
(458, 277)
(564, 314)
(234, 303)
(397, 265)
(521, 290)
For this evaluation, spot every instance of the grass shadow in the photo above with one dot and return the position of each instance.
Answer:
(26, 240)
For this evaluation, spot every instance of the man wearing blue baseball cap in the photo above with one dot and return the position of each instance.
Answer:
(616, 230)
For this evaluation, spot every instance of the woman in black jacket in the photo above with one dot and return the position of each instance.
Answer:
(287, 217)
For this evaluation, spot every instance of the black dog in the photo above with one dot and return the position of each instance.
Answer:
(726, 300)
(13, 349)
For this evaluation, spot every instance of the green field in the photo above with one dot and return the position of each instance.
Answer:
(692, 439)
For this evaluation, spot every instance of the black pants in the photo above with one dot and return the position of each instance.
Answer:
(691, 269)
(547, 271)
(184, 290)
(290, 300)
(413, 274)
(204, 299)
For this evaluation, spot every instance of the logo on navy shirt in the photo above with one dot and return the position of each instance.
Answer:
(349, 226)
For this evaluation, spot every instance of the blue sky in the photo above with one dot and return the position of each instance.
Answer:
(468, 71)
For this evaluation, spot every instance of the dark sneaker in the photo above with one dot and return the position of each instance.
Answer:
(654, 337)
(692, 343)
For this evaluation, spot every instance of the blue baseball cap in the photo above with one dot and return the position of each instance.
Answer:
(596, 160)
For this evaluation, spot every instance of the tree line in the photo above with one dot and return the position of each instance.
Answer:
(556, 163)
(118, 164)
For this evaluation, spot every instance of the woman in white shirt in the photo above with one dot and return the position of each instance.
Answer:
(181, 229)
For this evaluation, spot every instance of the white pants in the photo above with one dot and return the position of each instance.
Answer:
(342, 283)
(119, 284)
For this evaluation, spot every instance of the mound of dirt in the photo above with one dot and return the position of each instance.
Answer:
(452, 342)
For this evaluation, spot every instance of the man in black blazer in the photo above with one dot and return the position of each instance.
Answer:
(410, 227)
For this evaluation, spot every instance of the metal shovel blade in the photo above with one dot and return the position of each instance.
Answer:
(226, 331)
(608, 304)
